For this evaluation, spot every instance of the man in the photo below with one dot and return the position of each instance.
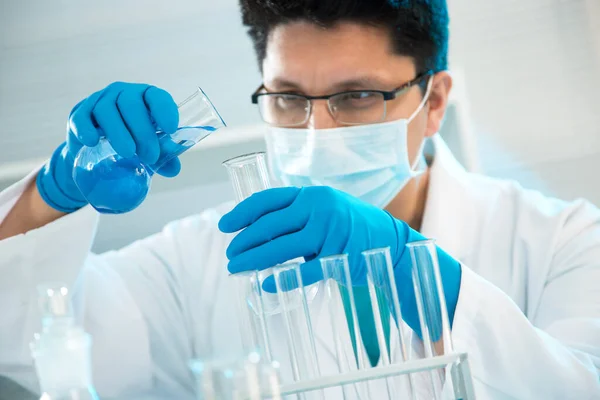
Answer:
(352, 90)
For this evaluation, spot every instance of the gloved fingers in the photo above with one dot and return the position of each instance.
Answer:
(277, 251)
(81, 124)
(310, 272)
(257, 205)
(109, 119)
(163, 109)
(358, 267)
(408, 307)
(286, 280)
(266, 228)
(171, 168)
(132, 107)
(73, 144)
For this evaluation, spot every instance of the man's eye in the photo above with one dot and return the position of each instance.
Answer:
(358, 99)
(287, 102)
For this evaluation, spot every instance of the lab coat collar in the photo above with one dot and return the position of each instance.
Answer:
(448, 217)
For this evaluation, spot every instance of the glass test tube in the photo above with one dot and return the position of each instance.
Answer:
(350, 353)
(431, 305)
(252, 313)
(386, 308)
(297, 321)
(431, 302)
(248, 175)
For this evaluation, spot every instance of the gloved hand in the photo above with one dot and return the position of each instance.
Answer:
(313, 222)
(128, 115)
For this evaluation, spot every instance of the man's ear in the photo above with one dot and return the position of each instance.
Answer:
(437, 102)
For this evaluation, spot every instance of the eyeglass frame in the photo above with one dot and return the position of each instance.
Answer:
(387, 96)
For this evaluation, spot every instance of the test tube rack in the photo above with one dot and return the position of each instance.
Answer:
(458, 364)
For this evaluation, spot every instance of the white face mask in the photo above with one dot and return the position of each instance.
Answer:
(370, 162)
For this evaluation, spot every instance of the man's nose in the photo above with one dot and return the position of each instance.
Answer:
(320, 117)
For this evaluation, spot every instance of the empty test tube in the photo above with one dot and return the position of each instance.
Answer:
(386, 309)
(431, 305)
(252, 312)
(350, 353)
(384, 298)
(297, 321)
(431, 302)
(248, 174)
(338, 287)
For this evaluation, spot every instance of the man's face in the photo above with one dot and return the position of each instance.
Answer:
(304, 58)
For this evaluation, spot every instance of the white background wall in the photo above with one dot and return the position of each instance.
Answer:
(532, 72)
(530, 68)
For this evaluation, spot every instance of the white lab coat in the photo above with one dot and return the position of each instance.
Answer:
(528, 312)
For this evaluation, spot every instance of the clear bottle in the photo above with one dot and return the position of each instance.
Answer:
(62, 349)
(114, 185)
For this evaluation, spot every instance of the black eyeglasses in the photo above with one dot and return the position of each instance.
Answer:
(353, 107)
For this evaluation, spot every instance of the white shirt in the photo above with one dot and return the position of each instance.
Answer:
(528, 312)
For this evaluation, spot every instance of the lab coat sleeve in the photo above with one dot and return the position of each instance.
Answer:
(553, 354)
(150, 308)
(55, 252)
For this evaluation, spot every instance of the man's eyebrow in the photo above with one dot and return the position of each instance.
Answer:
(366, 82)
(282, 84)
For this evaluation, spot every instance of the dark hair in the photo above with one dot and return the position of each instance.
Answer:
(419, 28)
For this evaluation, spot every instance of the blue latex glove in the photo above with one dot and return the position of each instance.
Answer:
(313, 222)
(128, 115)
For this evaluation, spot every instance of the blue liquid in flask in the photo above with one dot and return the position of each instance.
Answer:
(115, 185)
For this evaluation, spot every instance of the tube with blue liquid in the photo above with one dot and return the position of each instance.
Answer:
(114, 185)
